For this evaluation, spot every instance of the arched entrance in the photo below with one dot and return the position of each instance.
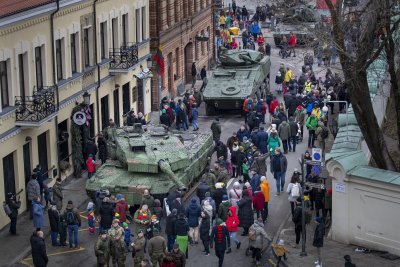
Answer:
(188, 61)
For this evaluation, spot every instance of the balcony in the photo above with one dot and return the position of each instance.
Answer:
(124, 58)
(35, 110)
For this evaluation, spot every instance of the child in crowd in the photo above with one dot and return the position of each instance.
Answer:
(90, 217)
(128, 234)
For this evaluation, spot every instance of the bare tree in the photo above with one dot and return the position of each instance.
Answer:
(361, 29)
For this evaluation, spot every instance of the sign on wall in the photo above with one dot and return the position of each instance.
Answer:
(79, 118)
(340, 187)
(317, 154)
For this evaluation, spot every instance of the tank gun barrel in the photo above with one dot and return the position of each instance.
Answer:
(166, 168)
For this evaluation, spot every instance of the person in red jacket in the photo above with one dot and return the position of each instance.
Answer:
(258, 202)
(90, 165)
(292, 44)
(232, 223)
(264, 111)
(247, 107)
(121, 208)
(272, 107)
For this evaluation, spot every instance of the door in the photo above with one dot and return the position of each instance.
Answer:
(116, 106)
(140, 95)
(105, 113)
(42, 153)
(188, 60)
(91, 122)
(126, 98)
(9, 174)
(63, 137)
(27, 165)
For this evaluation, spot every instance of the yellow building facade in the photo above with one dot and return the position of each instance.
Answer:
(53, 54)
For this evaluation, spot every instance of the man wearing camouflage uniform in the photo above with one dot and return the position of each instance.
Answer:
(156, 248)
(138, 249)
(102, 249)
(120, 251)
(115, 231)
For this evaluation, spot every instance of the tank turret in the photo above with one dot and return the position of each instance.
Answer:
(152, 158)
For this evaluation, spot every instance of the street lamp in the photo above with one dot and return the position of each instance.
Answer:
(86, 98)
(149, 62)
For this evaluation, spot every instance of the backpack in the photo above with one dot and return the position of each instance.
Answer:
(6, 208)
(70, 217)
(252, 234)
(295, 192)
(325, 132)
(249, 104)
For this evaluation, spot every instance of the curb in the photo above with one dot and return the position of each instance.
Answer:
(27, 250)
(276, 237)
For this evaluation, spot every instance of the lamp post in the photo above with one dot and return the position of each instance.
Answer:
(347, 112)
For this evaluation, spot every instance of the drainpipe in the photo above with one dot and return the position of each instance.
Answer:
(55, 81)
(159, 78)
(98, 67)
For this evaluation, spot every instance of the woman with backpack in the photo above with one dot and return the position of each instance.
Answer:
(257, 235)
(293, 190)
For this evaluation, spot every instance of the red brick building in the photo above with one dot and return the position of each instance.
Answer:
(174, 24)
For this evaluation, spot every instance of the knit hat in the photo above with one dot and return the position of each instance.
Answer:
(319, 219)
(281, 242)
(116, 215)
(70, 202)
(219, 221)
(207, 194)
(106, 199)
(124, 224)
(90, 205)
(224, 198)
(153, 217)
(119, 196)
(263, 178)
(299, 107)
(164, 111)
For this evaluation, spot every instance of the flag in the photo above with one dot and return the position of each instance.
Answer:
(159, 60)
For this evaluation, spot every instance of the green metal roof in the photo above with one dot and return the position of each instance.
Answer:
(376, 174)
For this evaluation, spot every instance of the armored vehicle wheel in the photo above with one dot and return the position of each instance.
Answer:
(210, 110)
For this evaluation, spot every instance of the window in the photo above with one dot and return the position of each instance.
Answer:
(22, 79)
(59, 60)
(144, 23)
(194, 6)
(5, 98)
(86, 47)
(74, 67)
(103, 39)
(177, 58)
(202, 44)
(39, 67)
(124, 29)
(169, 16)
(196, 50)
(185, 9)
(114, 32)
(138, 39)
(176, 11)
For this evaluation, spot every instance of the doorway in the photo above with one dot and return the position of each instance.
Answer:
(105, 112)
(63, 136)
(126, 98)
(27, 166)
(116, 106)
(91, 122)
(188, 60)
(140, 93)
(9, 174)
(42, 153)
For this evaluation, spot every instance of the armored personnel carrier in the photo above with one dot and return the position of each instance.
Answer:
(155, 159)
(240, 74)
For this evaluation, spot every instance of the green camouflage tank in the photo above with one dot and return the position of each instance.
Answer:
(240, 74)
(155, 159)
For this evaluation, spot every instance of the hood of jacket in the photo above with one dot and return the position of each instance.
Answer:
(237, 186)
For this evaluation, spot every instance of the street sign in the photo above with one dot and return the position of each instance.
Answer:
(79, 118)
(316, 154)
(316, 169)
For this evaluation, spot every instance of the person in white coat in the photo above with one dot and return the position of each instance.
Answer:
(235, 194)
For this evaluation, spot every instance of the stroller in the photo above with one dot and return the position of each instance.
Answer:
(298, 135)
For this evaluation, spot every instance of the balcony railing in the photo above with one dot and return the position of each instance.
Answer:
(125, 57)
(36, 109)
